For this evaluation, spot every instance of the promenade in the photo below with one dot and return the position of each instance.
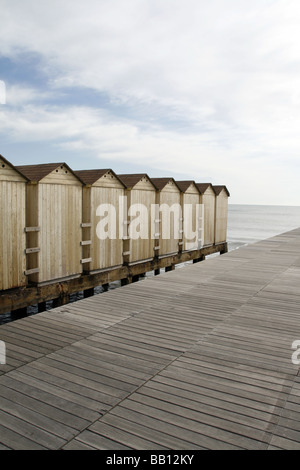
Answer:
(196, 358)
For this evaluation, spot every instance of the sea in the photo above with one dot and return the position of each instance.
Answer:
(249, 224)
(246, 224)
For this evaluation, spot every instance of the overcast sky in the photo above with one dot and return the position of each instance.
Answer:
(193, 89)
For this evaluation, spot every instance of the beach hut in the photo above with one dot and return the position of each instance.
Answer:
(221, 213)
(168, 217)
(12, 225)
(192, 216)
(53, 222)
(102, 219)
(208, 199)
(139, 239)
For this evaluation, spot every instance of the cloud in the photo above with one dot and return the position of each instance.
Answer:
(87, 130)
(196, 86)
(18, 95)
(2, 92)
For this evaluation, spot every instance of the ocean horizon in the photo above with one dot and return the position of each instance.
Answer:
(251, 223)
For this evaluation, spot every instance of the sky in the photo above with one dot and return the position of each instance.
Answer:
(191, 89)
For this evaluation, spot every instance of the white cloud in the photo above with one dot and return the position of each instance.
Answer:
(229, 69)
(193, 156)
(19, 95)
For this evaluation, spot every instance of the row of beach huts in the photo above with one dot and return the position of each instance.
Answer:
(49, 214)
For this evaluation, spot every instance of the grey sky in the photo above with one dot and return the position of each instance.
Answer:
(191, 88)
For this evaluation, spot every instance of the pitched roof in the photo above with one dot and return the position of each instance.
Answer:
(203, 187)
(160, 183)
(184, 185)
(13, 167)
(131, 180)
(36, 173)
(91, 176)
(218, 189)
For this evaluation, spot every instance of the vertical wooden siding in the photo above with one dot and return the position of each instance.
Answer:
(58, 204)
(109, 252)
(208, 199)
(141, 249)
(60, 216)
(169, 195)
(190, 200)
(12, 225)
(221, 217)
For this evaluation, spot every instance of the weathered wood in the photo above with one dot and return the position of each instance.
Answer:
(199, 358)
(62, 300)
(32, 250)
(12, 223)
(32, 229)
(190, 201)
(140, 194)
(53, 217)
(28, 272)
(31, 295)
(221, 210)
(167, 225)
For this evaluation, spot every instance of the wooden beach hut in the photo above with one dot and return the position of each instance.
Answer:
(139, 241)
(208, 199)
(169, 217)
(12, 225)
(102, 219)
(192, 216)
(221, 213)
(53, 222)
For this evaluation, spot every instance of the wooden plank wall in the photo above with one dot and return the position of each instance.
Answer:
(60, 234)
(209, 202)
(170, 195)
(191, 197)
(109, 252)
(141, 249)
(221, 217)
(12, 223)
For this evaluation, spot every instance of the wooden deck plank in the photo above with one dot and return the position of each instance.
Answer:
(209, 436)
(170, 430)
(16, 441)
(89, 438)
(62, 394)
(197, 358)
(124, 437)
(157, 436)
(34, 433)
(59, 406)
(209, 391)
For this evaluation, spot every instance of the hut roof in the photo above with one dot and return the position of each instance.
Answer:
(218, 189)
(91, 176)
(160, 183)
(131, 180)
(184, 185)
(13, 167)
(36, 173)
(203, 187)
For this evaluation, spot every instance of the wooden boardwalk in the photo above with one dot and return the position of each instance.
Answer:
(198, 358)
